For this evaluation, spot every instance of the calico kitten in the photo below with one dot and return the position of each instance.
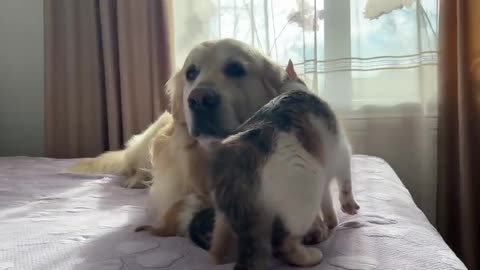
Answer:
(271, 179)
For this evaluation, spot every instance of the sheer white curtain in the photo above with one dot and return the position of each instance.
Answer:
(373, 60)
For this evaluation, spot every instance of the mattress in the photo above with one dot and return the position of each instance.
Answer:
(51, 219)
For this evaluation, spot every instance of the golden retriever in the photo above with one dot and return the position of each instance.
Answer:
(221, 84)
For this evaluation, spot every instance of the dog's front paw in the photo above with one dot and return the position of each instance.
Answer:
(138, 180)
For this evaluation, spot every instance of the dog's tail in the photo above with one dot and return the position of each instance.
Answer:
(112, 162)
(124, 161)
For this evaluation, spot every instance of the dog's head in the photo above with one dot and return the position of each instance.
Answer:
(221, 84)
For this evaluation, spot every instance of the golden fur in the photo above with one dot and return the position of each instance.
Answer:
(166, 152)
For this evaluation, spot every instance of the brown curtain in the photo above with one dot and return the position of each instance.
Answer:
(106, 62)
(458, 208)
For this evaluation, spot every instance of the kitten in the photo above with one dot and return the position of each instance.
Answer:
(271, 179)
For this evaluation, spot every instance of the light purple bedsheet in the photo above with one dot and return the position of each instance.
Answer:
(51, 219)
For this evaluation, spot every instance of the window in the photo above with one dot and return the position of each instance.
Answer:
(352, 61)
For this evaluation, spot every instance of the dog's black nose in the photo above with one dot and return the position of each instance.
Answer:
(203, 99)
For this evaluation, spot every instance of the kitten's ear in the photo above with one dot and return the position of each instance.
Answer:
(291, 70)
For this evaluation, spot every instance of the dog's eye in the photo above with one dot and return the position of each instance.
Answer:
(192, 73)
(235, 70)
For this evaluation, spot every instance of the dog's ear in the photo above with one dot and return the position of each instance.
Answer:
(274, 77)
(292, 75)
(174, 88)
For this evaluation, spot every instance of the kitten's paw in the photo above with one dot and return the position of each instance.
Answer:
(314, 256)
(348, 203)
(262, 264)
(296, 253)
(135, 181)
(304, 256)
(350, 207)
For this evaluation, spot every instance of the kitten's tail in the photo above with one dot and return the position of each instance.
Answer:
(201, 228)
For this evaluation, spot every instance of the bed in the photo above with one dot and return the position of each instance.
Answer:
(52, 219)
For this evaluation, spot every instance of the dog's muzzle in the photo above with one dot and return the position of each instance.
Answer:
(204, 105)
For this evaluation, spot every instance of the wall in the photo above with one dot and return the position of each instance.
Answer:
(21, 77)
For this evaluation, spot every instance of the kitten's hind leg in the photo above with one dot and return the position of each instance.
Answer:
(223, 239)
(344, 181)
(318, 233)
(254, 242)
(328, 210)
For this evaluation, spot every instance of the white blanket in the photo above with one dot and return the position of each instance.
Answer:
(50, 219)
